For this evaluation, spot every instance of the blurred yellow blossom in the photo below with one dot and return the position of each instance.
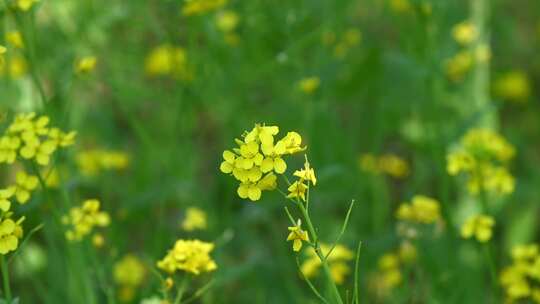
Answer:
(478, 226)
(227, 21)
(85, 65)
(519, 280)
(195, 219)
(197, 7)
(15, 39)
(513, 86)
(24, 185)
(464, 33)
(350, 38)
(92, 161)
(82, 220)
(400, 6)
(297, 235)
(3, 50)
(192, 256)
(309, 85)
(389, 164)
(5, 198)
(128, 273)
(98, 240)
(25, 5)
(422, 209)
(337, 262)
(459, 65)
(168, 60)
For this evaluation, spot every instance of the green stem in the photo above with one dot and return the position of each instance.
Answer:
(5, 278)
(181, 290)
(319, 253)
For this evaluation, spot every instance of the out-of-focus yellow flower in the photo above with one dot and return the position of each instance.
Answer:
(92, 161)
(3, 50)
(481, 141)
(465, 33)
(423, 210)
(256, 154)
(98, 240)
(349, 39)
(26, 5)
(227, 21)
(168, 60)
(24, 185)
(297, 235)
(129, 272)
(407, 252)
(297, 190)
(478, 226)
(459, 65)
(10, 233)
(519, 280)
(82, 220)
(306, 174)
(389, 164)
(5, 198)
(198, 7)
(337, 262)
(400, 6)
(85, 65)
(513, 86)
(195, 219)
(309, 85)
(192, 256)
(15, 39)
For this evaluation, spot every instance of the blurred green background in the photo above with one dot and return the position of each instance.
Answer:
(384, 88)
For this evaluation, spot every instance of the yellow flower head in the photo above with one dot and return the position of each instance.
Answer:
(297, 190)
(10, 233)
(465, 33)
(297, 235)
(82, 220)
(192, 256)
(257, 157)
(25, 184)
(92, 161)
(16, 67)
(519, 280)
(85, 65)
(168, 60)
(478, 226)
(459, 65)
(129, 271)
(227, 21)
(198, 7)
(401, 6)
(513, 86)
(309, 85)
(25, 5)
(389, 164)
(422, 210)
(306, 174)
(195, 219)
(15, 39)
(5, 198)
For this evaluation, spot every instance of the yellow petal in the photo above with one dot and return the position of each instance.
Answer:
(254, 193)
(279, 165)
(297, 245)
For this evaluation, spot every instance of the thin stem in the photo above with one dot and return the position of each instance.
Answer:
(311, 286)
(356, 299)
(5, 278)
(181, 290)
(343, 228)
(319, 253)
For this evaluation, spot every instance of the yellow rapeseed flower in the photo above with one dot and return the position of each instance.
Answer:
(195, 219)
(297, 235)
(465, 33)
(478, 226)
(459, 65)
(82, 220)
(85, 65)
(24, 185)
(198, 7)
(401, 6)
(306, 174)
(519, 280)
(129, 270)
(92, 161)
(168, 60)
(388, 163)
(297, 190)
(423, 210)
(309, 85)
(26, 5)
(192, 256)
(15, 39)
(227, 21)
(10, 233)
(513, 86)
(5, 198)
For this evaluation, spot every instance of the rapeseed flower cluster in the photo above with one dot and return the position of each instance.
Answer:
(82, 220)
(389, 164)
(479, 227)
(258, 158)
(483, 155)
(15, 39)
(521, 280)
(389, 273)
(199, 7)
(128, 273)
(192, 256)
(337, 261)
(92, 161)
(11, 231)
(513, 86)
(29, 137)
(195, 219)
(465, 33)
(422, 210)
(85, 65)
(168, 60)
(306, 176)
(227, 21)
(25, 5)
